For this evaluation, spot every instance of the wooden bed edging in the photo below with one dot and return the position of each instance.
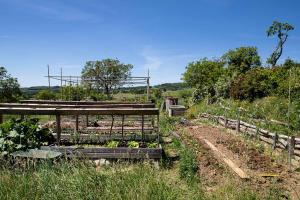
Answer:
(98, 138)
(77, 102)
(289, 143)
(106, 152)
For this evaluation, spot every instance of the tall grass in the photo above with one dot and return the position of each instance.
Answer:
(82, 181)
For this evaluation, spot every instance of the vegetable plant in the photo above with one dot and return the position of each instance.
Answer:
(133, 144)
(112, 144)
(23, 134)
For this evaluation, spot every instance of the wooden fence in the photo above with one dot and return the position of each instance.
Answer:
(289, 143)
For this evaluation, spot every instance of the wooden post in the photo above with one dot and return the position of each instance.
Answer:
(22, 117)
(49, 77)
(77, 123)
(87, 120)
(275, 140)
(143, 128)
(291, 143)
(122, 127)
(148, 87)
(238, 122)
(1, 118)
(256, 133)
(58, 128)
(61, 84)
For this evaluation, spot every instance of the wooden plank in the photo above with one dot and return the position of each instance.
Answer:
(76, 102)
(231, 164)
(98, 138)
(105, 152)
(28, 105)
(80, 111)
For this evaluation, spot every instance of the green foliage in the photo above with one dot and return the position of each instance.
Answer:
(17, 134)
(152, 145)
(9, 87)
(203, 73)
(112, 144)
(241, 60)
(133, 144)
(46, 95)
(255, 83)
(167, 124)
(222, 87)
(281, 30)
(107, 73)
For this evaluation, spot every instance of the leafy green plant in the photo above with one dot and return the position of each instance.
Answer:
(152, 145)
(133, 144)
(112, 144)
(18, 134)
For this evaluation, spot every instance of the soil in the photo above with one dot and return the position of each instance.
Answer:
(263, 170)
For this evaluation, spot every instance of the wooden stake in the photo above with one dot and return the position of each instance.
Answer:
(275, 140)
(58, 128)
(49, 77)
(87, 120)
(77, 123)
(291, 146)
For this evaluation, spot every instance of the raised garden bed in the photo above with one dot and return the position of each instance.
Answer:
(107, 152)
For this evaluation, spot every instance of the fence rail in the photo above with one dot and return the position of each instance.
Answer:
(289, 143)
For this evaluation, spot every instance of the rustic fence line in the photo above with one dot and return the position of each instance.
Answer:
(289, 143)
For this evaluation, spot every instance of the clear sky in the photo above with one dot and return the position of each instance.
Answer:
(162, 35)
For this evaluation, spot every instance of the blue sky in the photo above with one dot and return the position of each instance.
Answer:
(162, 35)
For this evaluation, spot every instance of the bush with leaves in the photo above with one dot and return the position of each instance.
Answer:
(17, 134)
(9, 87)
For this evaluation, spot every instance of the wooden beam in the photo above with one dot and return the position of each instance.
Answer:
(79, 111)
(36, 105)
(76, 102)
(231, 164)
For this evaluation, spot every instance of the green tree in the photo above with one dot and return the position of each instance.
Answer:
(9, 87)
(281, 30)
(241, 59)
(203, 73)
(255, 83)
(105, 75)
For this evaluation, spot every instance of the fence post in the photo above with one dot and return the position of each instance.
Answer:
(275, 140)
(1, 118)
(238, 121)
(291, 146)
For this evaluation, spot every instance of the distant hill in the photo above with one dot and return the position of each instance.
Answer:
(31, 91)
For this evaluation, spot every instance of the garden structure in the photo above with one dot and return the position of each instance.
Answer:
(96, 129)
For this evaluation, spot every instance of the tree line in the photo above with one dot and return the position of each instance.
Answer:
(239, 73)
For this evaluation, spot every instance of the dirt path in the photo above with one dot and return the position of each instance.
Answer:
(246, 156)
